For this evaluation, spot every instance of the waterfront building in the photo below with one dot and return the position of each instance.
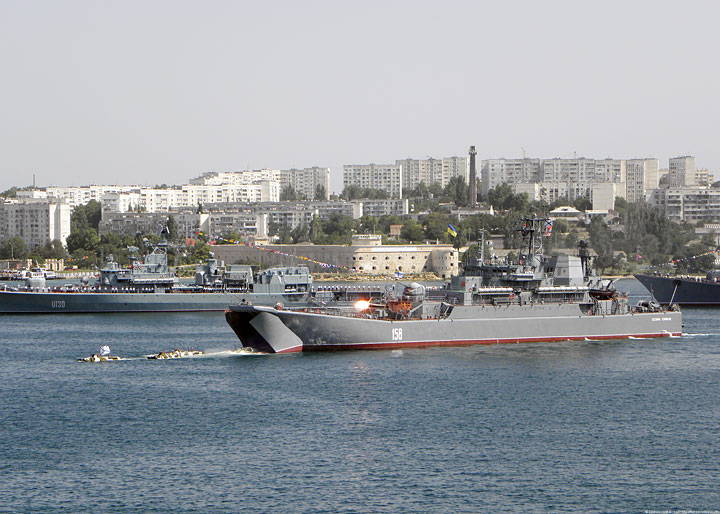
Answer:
(36, 221)
(386, 177)
(363, 255)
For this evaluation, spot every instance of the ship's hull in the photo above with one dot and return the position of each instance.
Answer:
(20, 302)
(269, 330)
(681, 291)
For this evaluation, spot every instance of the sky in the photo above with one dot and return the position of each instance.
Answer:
(151, 92)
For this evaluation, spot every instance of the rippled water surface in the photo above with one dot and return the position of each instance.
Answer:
(619, 426)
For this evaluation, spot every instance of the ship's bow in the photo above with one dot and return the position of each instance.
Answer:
(261, 330)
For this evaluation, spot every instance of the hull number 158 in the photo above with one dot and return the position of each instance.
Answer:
(397, 334)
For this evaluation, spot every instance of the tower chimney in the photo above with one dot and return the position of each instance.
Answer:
(472, 190)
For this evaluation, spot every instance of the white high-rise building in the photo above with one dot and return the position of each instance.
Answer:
(682, 171)
(508, 171)
(386, 177)
(415, 171)
(641, 176)
(35, 221)
(454, 167)
(306, 181)
(432, 171)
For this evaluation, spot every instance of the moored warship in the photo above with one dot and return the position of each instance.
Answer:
(539, 298)
(683, 290)
(149, 285)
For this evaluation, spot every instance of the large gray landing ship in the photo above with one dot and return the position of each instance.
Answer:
(538, 299)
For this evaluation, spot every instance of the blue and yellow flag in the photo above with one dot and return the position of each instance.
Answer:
(451, 230)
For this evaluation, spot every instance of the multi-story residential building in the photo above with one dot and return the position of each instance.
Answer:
(80, 195)
(681, 172)
(602, 194)
(582, 170)
(508, 171)
(35, 221)
(454, 167)
(641, 176)
(304, 181)
(132, 223)
(386, 177)
(431, 170)
(703, 177)
(222, 178)
(415, 171)
(263, 191)
(687, 203)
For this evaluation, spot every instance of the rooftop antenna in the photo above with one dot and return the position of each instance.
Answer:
(523, 153)
(33, 181)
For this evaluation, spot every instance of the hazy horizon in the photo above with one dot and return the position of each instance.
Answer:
(152, 93)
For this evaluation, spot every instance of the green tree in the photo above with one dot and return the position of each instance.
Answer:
(582, 203)
(54, 250)
(320, 192)
(299, 234)
(10, 193)
(316, 230)
(457, 190)
(172, 228)
(13, 248)
(288, 194)
(436, 226)
(412, 231)
(601, 242)
(86, 216)
(85, 239)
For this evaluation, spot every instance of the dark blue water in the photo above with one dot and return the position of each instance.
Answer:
(621, 426)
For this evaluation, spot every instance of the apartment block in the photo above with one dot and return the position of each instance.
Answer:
(681, 172)
(35, 221)
(304, 181)
(386, 177)
(687, 203)
(601, 194)
(641, 176)
(432, 170)
(703, 177)
(495, 172)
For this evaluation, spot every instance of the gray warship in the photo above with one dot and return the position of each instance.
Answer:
(538, 299)
(683, 290)
(149, 285)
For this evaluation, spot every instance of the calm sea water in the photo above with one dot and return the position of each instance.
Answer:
(620, 426)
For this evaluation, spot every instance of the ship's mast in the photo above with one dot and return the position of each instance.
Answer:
(531, 230)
